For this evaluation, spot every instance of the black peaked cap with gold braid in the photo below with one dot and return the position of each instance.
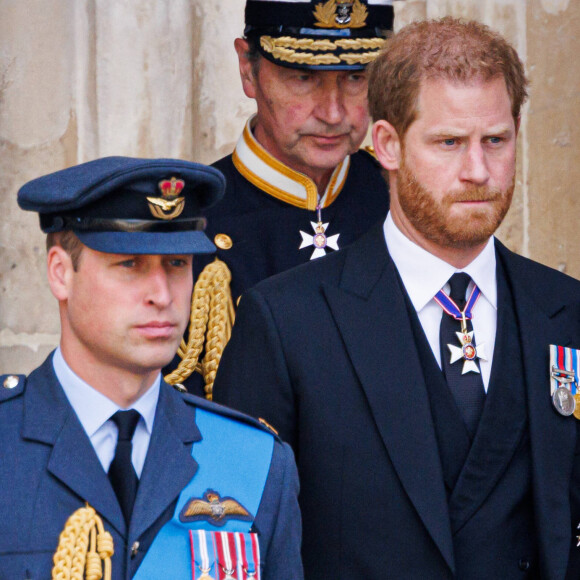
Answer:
(319, 34)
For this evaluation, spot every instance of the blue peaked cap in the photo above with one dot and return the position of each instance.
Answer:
(124, 205)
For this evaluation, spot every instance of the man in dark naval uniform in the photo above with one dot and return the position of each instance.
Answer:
(297, 185)
(427, 376)
(104, 465)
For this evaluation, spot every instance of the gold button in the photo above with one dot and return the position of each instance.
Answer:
(223, 241)
(179, 387)
(134, 549)
(11, 382)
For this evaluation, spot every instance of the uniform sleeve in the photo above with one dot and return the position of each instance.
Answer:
(253, 375)
(278, 520)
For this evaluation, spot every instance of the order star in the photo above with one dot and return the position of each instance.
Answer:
(318, 240)
(468, 351)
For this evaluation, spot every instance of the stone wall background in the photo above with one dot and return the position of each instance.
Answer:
(81, 79)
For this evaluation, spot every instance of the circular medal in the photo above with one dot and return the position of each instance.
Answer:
(469, 351)
(564, 401)
(320, 240)
(577, 409)
(205, 573)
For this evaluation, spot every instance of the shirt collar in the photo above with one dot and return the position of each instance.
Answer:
(280, 181)
(92, 407)
(424, 274)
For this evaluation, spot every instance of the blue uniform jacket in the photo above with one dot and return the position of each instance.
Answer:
(49, 469)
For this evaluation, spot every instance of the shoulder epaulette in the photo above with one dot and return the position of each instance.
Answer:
(11, 386)
(230, 413)
(370, 151)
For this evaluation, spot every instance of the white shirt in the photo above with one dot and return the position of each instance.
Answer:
(94, 411)
(424, 274)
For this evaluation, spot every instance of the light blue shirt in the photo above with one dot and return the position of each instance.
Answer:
(424, 274)
(94, 411)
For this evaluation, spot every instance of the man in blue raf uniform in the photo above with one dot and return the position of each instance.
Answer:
(142, 480)
(412, 371)
(297, 185)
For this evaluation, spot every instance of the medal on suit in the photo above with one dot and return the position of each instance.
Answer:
(227, 554)
(467, 351)
(564, 380)
(202, 553)
(319, 240)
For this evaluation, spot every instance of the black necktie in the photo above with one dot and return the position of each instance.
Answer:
(467, 389)
(121, 471)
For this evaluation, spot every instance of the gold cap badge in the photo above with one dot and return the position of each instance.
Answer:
(170, 205)
(340, 14)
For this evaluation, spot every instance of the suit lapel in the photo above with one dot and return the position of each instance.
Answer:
(542, 321)
(370, 313)
(49, 418)
(169, 465)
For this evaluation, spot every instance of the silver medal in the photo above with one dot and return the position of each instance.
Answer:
(564, 401)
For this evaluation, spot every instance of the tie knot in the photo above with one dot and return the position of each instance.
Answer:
(459, 283)
(126, 422)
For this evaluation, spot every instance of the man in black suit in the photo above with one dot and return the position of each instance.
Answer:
(411, 372)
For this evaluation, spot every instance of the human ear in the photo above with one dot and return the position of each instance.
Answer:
(387, 145)
(59, 270)
(246, 68)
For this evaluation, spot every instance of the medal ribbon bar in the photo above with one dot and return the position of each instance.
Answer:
(224, 555)
(227, 560)
(203, 557)
(564, 368)
(249, 550)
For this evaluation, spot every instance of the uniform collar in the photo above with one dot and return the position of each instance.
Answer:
(424, 274)
(93, 409)
(280, 181)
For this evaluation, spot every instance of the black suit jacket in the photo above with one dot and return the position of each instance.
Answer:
(326, 354)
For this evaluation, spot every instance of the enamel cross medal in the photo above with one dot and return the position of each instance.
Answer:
(319, 240)
(467, 350)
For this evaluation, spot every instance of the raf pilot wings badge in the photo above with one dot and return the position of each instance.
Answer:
(214, 509)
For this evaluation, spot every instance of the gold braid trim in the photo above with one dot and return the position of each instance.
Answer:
(358, 43)
(82, 545)
(211, 320)
(283, 48)
(287, 55)
(269, 43)
(359, 58)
